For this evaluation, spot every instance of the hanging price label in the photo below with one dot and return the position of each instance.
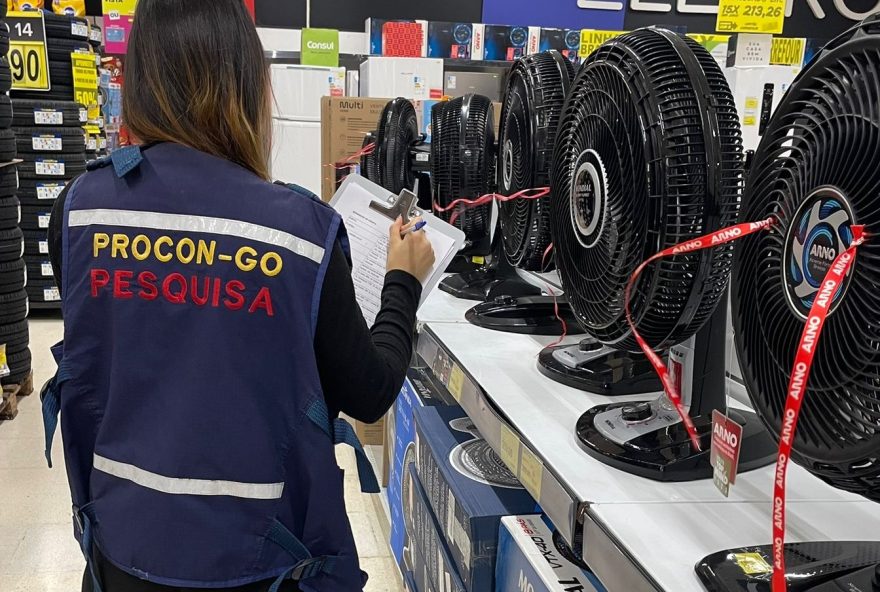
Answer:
(122, 7)
(4, 366)
(28, 58)
(750, 16)
(591, 39)
(85, 82)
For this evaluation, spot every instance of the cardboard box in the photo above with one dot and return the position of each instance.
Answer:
(528, 559)
(470, 486)
(419, 390)
(432, 556)
(344, 123)
(370, 434)
(397, 37)
(757, 92)
(565, 41)
(505, 43)
(451, 40)
(410, 78)
(746, 50)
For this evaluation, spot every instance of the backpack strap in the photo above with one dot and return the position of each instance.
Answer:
(306, 565)
(50, 397)
(341, 432)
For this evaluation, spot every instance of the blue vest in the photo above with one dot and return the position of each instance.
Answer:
(198, 446)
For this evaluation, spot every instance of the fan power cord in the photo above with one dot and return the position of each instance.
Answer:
(460, 205)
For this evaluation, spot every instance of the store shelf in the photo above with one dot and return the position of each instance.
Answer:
(649, 547)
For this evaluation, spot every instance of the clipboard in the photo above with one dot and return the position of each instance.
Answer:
(368, 210)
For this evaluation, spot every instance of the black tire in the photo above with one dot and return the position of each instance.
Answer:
(58, 93)
(11, 242)
(12, 276)
(61, 73)
(5, 109)
(7, 145)
(8, 181)
(35, 192)
(74, 164)
(4, 36)
(13, 308)
(96, 36)
(4, 7)
(41, 295)
(63, 27)
(20, 365)
(43, 112)
(36, 243)
(9, 212)
(30, 217)
(5, 75)
(66, 139)
(60, 49)
(35, 271)
(16, 336)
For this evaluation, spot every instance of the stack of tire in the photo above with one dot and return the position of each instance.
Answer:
(13, 275)
(52, 146)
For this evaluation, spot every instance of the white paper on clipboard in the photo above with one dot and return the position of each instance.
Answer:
(368, 236)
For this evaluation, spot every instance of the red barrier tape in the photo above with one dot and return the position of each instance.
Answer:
(463, 204)
(714, 239)
(797, 388)
(354, 158)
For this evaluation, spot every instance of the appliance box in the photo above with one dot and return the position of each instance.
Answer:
(344, 124)
(397, 37)
(296, 154)
(419, 390)
(432, 559)
(470, 489)
(757, 92)
(528, 559)
(451, 40)
(505, 43)
(565, 41)
(461, 83)
(410, 78)
(299, 89)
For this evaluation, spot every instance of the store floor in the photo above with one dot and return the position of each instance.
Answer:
(37, 549)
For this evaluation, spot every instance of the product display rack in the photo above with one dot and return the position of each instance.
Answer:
(511, 402)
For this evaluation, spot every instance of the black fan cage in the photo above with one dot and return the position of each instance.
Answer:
(818, 164)
(530, 113)
(398, 132)
(649, 154)
(463, 160)
(369, 162)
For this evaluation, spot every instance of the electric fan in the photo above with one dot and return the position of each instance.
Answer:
(369, 163)
(816, 172)
(649, 155)
(399, 146)
(533, 99)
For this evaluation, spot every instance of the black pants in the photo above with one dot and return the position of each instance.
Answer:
(115, 580)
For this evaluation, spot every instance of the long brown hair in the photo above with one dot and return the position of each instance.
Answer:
(195, 74)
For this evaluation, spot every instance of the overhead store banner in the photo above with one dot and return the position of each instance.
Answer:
(563, 14)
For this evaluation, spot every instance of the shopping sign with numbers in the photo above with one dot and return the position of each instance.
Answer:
(85, 82)
(28, 59)
(750, 16)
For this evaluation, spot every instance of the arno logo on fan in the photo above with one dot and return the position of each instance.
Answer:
(819, 232)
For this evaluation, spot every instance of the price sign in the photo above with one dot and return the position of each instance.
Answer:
(120, 7)
(4, 366)
(724, 455)
(750, 16)
(85, 82)
(28, 59)
(591, 39)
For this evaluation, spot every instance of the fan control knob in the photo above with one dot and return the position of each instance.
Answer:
(589, 345)
(637, 412)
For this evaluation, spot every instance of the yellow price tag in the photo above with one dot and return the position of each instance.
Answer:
(750, 16)
(509, 452)
(28, 59)
(85, 82)
(750, 120)
(119, 7)
(591, 39)
(751, 103)
(4, 365)
(531, 473)
(752, 563)
(478, 260)
(456, 382)
(788, 51)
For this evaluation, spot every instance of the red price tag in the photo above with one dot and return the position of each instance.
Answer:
(724, 456)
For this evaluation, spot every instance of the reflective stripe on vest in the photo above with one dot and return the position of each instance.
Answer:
(178, 486)
(187, 223)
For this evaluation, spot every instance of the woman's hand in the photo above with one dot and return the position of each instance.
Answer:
(411, 252)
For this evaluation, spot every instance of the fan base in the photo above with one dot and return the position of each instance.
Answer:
(810, 567)
(590, 367)
(530, 315)
(666, 454)
(487, 283)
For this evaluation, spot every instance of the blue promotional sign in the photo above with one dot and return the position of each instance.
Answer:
(563, 14)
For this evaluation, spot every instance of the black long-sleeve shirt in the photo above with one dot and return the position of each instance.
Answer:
(361, 368)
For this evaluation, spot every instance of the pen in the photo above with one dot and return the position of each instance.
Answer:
(419, 225)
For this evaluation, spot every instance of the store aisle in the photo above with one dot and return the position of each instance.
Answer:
(37, 550)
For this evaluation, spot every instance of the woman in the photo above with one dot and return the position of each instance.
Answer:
(212, 332)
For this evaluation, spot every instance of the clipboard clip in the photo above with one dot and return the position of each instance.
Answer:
(404, 205)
